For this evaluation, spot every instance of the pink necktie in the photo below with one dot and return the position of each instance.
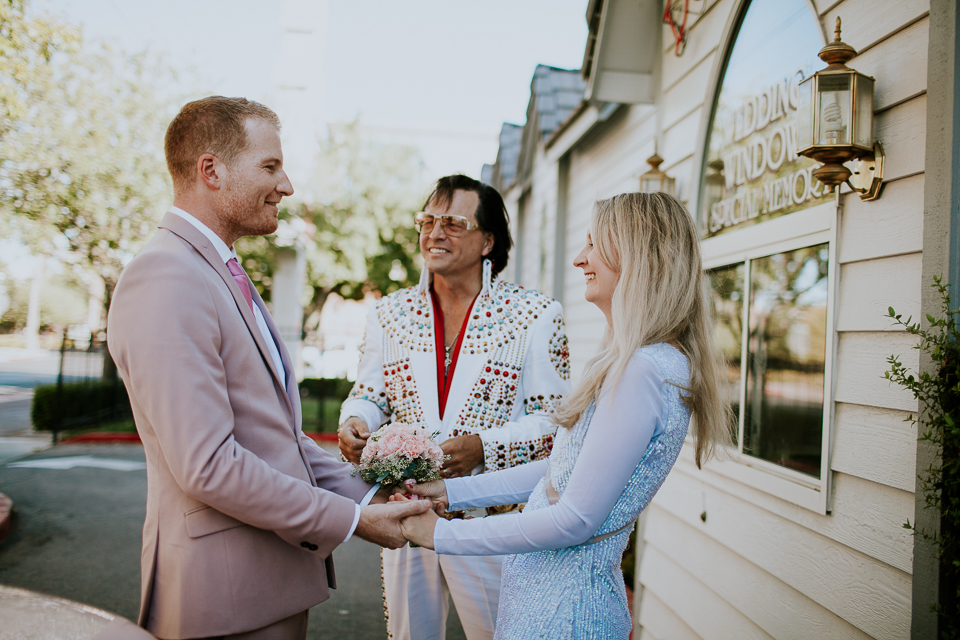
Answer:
(241, 277)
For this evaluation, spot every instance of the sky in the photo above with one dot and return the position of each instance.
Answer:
(440, 74)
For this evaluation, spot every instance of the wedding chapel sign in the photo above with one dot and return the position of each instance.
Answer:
(752, 172)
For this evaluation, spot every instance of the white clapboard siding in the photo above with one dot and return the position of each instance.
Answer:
(886, 227)
(903, 132)
(861, 363)
(706, 613)
(869, 288)
(680, 140)
(686, 93)
(865, 25)
(875, 444)
(898, 64)
(686, 177)
(773, 605)
(702, 40)
(867, 516)
(698, 11)
(862, 590)
(659, 621)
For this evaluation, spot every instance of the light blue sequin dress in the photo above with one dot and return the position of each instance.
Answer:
(578, 591)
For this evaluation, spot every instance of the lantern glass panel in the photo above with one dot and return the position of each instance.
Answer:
(834, 109)
(650, 183)
(805, 114)
(863, 133)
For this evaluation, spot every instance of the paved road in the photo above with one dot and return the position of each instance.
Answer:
(77, 536)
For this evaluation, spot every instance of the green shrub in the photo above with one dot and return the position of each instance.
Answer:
(938, 395)
(77, 403)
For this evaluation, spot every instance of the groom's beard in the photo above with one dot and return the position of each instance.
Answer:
(246, 215)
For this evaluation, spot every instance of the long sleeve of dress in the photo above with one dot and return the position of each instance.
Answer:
(623, 424)
(509, 486)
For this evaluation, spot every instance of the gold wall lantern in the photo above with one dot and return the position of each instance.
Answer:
(836, 123)
(655, 179)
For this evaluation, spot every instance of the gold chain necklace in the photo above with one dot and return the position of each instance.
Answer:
(447, 357)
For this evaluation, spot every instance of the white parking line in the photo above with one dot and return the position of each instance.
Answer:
(69, 462)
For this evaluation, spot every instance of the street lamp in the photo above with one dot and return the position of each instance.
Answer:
(655, 179)
(836, 123)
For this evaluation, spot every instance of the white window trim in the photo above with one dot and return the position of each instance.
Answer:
(816, 225)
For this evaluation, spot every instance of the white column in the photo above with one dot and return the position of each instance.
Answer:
(286, 294)
(31, 333)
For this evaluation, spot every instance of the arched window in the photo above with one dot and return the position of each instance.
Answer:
(769, 232)
(752, 170)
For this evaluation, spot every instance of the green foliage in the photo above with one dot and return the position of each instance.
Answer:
(82, 171)
(26, 44)
(938, 395)
(82, 175)
(77, 403)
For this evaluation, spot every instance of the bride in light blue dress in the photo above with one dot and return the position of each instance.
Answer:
(620, 433)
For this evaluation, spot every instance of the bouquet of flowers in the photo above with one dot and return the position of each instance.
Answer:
(400, 453)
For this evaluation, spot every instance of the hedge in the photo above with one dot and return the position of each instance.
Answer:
(90, 402)
(77, 403)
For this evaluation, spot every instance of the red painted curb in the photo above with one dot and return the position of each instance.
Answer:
(6, 513)
(323, 437)
(134, 438)
(103, 438)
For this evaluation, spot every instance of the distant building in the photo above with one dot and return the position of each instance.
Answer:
(799, 534)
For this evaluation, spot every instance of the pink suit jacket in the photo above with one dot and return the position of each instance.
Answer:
(243, 510)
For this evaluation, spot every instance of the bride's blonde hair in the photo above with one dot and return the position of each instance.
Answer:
(651, 241)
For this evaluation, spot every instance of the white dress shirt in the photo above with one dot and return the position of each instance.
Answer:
(226, 253)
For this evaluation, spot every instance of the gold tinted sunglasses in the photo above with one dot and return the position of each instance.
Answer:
(452, 225)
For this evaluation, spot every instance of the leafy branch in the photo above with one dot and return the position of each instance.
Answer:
(938, 395)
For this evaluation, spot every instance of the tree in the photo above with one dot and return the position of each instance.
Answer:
(26, 44)
(82, 175)
(354, 220)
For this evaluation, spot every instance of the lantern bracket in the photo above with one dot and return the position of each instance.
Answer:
(867, 176)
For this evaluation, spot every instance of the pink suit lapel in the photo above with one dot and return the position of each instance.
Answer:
(175, 224)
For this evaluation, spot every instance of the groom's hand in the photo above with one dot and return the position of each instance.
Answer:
(380, 523)
(466, 452)
(353, 436)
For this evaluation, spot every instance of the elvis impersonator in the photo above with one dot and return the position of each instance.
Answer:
(481, 361)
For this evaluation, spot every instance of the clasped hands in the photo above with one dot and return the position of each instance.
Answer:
(391, 518)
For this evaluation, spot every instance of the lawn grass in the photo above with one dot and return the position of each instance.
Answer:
(117, 426)
(331, 415)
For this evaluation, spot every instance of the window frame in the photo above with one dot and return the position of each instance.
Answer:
(812, 226)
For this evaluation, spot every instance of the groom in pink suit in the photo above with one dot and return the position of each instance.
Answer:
(243, 510)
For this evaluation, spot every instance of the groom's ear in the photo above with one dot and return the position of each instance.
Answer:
(210, 169)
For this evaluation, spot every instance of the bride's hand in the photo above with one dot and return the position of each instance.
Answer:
(435, 491)
(418, 529)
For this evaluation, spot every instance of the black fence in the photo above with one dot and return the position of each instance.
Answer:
(82, 398)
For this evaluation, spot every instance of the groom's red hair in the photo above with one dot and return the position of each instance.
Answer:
(210, 125)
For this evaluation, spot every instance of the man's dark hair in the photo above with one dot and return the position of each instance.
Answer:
(491, 213)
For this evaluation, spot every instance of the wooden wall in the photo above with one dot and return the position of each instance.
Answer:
(759, 566)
